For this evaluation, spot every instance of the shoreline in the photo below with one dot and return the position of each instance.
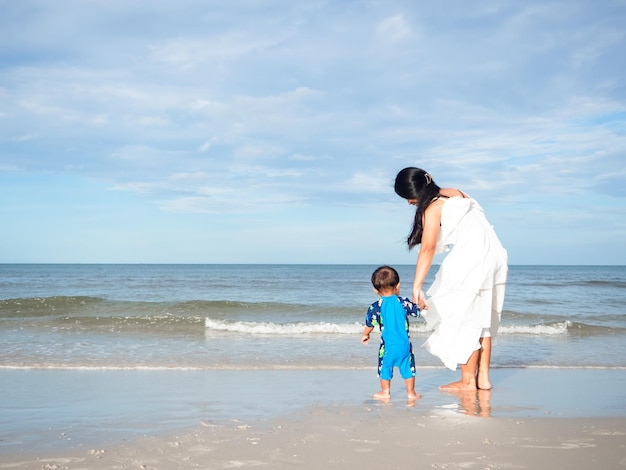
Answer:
(533, 419)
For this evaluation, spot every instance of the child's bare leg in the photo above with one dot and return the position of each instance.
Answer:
(484, 359)
(468, 375)
(410, 389)
(384, 393)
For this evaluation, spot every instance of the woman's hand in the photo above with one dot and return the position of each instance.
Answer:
(419, 298)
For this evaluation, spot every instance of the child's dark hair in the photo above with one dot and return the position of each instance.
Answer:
(415, 183)
(385, 278)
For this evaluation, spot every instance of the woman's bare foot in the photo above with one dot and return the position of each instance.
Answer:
(459, 386)
(483, 381)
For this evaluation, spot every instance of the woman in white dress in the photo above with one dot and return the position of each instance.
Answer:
(464, 302)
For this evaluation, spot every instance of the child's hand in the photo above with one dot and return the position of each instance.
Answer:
(365, 339)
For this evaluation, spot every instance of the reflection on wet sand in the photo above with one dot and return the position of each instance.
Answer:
(473, 402)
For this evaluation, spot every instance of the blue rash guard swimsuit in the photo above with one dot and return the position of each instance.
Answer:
(390, 314)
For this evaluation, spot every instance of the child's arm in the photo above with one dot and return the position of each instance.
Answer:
(366, 334)
(371, 320)
(411, 308)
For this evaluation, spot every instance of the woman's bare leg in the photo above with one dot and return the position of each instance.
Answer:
(468, 375)
(484, 360)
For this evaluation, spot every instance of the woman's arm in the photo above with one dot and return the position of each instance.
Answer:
(432, 225)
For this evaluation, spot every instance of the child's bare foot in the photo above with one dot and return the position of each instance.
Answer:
(382, 395)
(413, 396)
(459, 386)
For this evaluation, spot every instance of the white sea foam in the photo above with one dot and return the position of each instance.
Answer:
(286, 329)
(548, 330)
(300, 328)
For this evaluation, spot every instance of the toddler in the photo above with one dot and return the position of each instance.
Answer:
(390, 313)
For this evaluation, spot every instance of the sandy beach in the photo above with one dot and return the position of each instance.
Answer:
(376, 438)
(533, 419)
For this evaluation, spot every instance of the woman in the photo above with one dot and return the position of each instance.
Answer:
(466, 297)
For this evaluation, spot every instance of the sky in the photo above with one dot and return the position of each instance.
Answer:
(271, 131)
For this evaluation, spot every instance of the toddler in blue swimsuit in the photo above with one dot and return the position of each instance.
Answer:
(390, 313)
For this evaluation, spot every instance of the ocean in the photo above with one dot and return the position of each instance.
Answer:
(92, 355)
(241, 317)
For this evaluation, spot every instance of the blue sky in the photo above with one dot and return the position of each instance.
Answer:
(271, 131)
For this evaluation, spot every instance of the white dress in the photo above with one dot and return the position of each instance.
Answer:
(465, 300)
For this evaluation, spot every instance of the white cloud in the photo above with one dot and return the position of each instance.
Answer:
(372, 182)
(187, 53)
(155, 121)
(395, 28)
(207, 144)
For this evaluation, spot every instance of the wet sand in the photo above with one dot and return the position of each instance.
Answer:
(534, 419)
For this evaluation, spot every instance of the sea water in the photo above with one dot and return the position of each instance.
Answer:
(281, 316)
(95, 354)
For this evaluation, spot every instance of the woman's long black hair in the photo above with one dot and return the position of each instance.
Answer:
(415, 183)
